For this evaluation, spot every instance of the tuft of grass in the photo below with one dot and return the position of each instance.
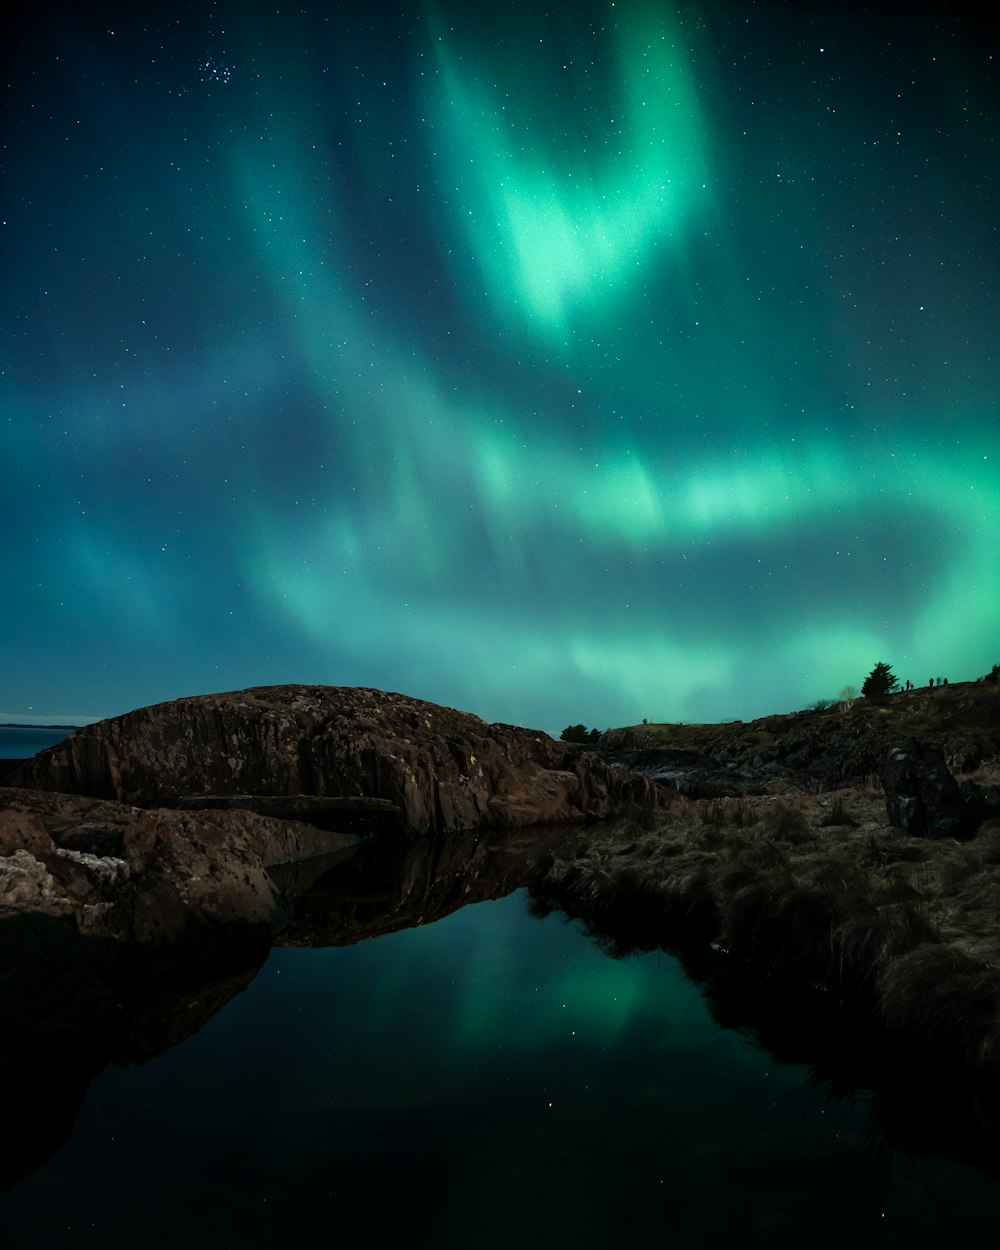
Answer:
(786, 823)
(725, 813)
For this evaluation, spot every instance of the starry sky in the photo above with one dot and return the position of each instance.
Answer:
(558, 361)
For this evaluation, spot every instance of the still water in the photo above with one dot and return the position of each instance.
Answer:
(488, 1079)
(22, 742)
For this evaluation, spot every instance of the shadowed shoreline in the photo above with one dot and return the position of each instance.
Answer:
(871, 956)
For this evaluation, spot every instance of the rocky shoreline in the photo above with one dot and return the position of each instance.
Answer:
(843, 745)
(837, 941)
(148, 863)
(146, 845)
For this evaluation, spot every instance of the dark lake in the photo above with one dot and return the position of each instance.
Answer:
(486, 1079)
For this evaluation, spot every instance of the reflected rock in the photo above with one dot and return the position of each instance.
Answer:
(395, 884)
(46, 1071)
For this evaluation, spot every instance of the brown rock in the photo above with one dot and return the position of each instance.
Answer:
(186, 886)
(921, 796)
(24, 831)
(443, 769)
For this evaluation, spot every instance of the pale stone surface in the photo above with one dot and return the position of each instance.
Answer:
(26, 885)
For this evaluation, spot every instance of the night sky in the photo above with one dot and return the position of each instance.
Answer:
(558, 362)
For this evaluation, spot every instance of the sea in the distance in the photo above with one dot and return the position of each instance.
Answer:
(486, 1080)
(21, 742)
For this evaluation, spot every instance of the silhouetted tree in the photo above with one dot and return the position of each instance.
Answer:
(579, 733)
(880, 681)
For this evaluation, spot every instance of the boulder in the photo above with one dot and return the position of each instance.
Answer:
(26, 885)
(182, 887)
(921, 796)
(442, 769)
(24, 831)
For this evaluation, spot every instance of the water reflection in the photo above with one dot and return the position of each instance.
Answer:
(388, 884)
(517, 1083)
(68, 1007)
(919, 1104)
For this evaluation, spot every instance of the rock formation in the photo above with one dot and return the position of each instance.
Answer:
(141, 847)
(924, 799)
(145, 890)
(444, 770)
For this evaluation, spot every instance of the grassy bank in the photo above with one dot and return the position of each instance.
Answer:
(815, 898)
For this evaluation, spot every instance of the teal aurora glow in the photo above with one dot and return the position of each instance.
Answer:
(563, 362)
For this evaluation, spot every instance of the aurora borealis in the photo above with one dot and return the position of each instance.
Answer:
(562, 362)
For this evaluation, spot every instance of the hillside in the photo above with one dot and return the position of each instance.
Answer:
(844, 745)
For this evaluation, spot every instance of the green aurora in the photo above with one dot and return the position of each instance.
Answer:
(574, 363)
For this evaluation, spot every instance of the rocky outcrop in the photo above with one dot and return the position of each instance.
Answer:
(141, 889)
(921, 796)
(146, 846)
(925, 800)
(843, 745)
(444, 770)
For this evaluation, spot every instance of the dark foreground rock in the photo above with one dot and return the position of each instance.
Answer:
(925, 800)
(921, 795)
(444, 770)
(104, 889)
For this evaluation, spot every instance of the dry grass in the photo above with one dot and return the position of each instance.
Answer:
(989, 776)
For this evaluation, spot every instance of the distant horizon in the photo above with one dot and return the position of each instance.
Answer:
(28, 720)
(32, 720)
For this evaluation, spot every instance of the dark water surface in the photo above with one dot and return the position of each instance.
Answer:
(488, 1080)
(21, 743)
